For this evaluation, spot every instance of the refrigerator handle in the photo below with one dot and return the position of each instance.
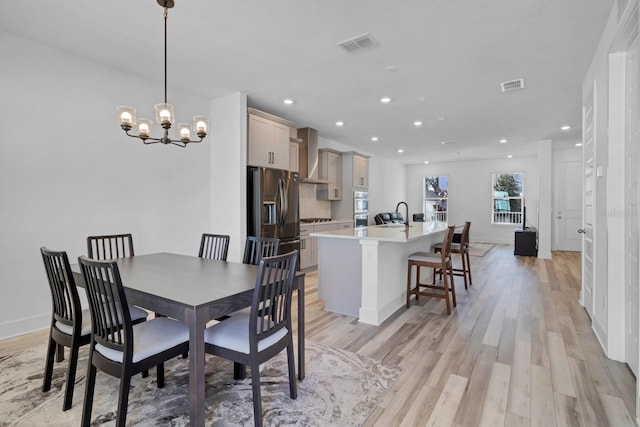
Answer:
(285, 203)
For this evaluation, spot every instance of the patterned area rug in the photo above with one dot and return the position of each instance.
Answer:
(340, 389)
(479, 249)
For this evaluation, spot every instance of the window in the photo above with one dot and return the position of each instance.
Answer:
(436, 192)
(508, 200)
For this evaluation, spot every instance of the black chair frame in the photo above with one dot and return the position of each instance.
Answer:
(257, 248)
(110, 246)
(214, 246)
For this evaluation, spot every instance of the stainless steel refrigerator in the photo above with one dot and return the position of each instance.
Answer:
(272, 206)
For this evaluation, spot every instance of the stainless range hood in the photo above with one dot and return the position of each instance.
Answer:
(308, 156)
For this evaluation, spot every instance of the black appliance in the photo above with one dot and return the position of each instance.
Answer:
(272, 206)
(526, 242)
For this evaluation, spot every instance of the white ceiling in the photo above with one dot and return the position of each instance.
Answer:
(454, 53)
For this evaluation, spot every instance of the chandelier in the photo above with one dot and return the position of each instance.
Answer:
(164, 112)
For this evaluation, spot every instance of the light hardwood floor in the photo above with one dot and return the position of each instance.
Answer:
(517, 351)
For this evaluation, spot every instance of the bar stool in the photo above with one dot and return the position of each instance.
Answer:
(461, 248)
(441, 263)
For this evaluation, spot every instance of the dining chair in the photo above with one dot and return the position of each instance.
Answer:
(70, 325)
(253, 338)
(439, 262)
(118, 347)
(257, 248)
(110, 246)
(461, 247)
(214, 246)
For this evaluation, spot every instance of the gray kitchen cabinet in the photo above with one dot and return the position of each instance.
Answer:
(330, 169)
(309, 245)
(268, 142)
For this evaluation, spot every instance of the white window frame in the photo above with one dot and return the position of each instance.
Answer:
(507, 216)
(432, 206)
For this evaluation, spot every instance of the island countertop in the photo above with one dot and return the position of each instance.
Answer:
(386, 233)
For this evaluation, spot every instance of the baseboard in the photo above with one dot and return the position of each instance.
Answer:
(544, 254)
(23, 326)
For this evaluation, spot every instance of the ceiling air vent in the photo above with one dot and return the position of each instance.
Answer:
(357, 43)
(512, 85)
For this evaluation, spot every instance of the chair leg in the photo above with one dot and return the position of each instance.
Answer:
(446, 293)
(60, 353)
(71, 376)
(293, 391)
(469, 268)
(239, 371)
(257, 398)
(123, 399)
(409, 285)
(417, 282)
(464, 269)
(48, 366)
(453, 287)
(88, 394)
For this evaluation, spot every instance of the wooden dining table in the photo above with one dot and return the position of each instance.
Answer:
(195, 290)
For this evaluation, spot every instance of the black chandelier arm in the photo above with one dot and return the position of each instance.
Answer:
(165, 140)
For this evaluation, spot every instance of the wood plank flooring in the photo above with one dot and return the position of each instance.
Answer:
(517, 351)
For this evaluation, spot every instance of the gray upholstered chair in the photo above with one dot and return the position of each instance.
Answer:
(214, 246)
(118, 347)
(70, 326)
(255, 337)
(441, 264)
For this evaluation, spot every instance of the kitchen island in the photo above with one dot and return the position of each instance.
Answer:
(362, 272)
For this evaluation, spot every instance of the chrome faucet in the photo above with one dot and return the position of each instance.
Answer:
(406, 218)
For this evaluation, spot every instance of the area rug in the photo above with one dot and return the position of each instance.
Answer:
(479, 249)
(340, 389)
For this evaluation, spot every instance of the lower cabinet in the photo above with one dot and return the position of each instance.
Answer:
(309, 245)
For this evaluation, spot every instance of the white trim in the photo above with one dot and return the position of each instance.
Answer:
(25, 325)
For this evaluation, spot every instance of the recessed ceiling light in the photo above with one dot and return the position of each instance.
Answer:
(578, 144)
(400, 150)
(565, 127)
(421, 98)
(426, 162)
(374, 138)
(509, 156)
(288, 101)
(392, 68)
(503, 141)
(385, 100)
(339, 123)
(417, 123)
(447, 142)
(442, 119)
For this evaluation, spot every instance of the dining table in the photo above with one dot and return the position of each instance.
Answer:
(195, 291)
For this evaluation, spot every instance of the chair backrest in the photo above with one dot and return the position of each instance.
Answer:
(464, 238)
(64, 293)
(214, 246)
(257, 248)
(446, 243)
(110, 247)
(418, 217)
(271, 305)
(110, 318)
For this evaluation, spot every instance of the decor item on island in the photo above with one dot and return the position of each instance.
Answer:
(341, 388)
(164, 111)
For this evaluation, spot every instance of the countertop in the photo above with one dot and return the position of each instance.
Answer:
(386, 233)
(335, 221)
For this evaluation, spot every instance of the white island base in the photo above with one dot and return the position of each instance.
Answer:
(362, 272)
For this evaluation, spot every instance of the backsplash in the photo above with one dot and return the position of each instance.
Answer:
(310, 207)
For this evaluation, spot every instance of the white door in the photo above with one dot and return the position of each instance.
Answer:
(632, 136)
(588, 185)
(568, 205)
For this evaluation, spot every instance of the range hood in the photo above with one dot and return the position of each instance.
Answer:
(308, 156)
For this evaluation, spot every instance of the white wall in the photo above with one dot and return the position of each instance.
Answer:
(67, 171)
(470, 193)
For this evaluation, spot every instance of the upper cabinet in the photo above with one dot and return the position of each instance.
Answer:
(330, 169)
(268, 141)
(360, 171)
